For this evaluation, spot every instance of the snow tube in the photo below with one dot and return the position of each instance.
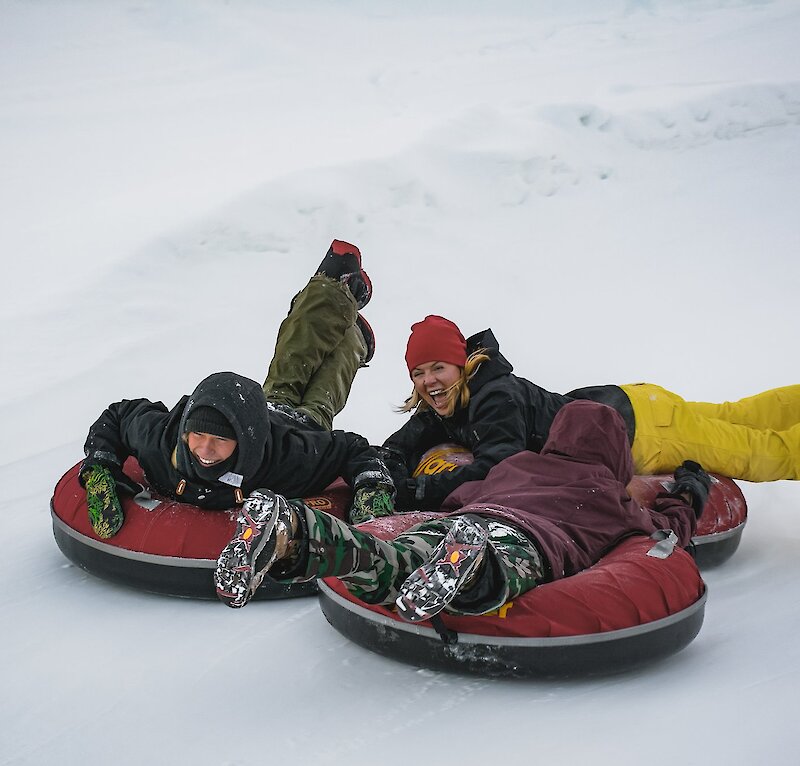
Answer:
(627, 610)
(164, 546)
(719, 529)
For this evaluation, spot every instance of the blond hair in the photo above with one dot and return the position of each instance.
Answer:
(458, 394)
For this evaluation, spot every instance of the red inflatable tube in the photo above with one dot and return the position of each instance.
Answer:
(170, 547)
(164, 546)
(627, 610)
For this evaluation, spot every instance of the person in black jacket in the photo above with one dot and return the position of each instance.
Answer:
(465, 392)
(232, 436)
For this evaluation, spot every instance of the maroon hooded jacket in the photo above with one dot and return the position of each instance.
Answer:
(571, 499)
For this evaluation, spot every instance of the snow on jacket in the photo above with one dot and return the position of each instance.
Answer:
(571, 499)
(274, 451)
(506, 414)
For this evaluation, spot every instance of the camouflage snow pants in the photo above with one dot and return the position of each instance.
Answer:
(318, 352)
(373, 569)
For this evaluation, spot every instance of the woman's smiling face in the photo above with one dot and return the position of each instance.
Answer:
(433, 381)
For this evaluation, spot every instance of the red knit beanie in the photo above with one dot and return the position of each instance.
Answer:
(435, 339)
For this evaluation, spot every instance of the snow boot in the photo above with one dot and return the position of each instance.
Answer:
(450, 569)
(343, 262)
(264, 529)
(369, 337)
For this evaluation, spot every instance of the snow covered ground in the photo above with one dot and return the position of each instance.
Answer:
(610, 185)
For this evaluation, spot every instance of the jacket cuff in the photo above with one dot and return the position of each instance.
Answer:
(374, 478)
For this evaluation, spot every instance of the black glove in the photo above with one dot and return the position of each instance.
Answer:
(691, 479)
(371, 501)
(406, 497)
(105, 511)
(394, 463)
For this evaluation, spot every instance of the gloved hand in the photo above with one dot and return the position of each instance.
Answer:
(691, 479)
(406, 497)
(394, 463)
(106, 460)
(105, 511)
(371, 501)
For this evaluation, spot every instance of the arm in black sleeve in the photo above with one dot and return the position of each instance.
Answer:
(402, 451)
(405, 447)
(499, 430)
(119, 432)
(364, 466)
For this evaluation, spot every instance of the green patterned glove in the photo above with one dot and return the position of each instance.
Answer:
(105, 511)
(370, 502)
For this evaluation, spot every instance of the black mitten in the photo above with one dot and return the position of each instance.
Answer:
(691, 479)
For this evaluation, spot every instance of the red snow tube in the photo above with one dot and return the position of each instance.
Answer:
(719, 529)
(164, 546)
(627, 610)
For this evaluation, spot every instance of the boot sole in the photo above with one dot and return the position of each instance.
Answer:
(429, 589)
(235, 577)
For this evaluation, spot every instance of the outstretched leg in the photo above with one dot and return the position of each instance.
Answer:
(777, 409)
(328, 388)
(670, 430)
(375, 571)
(479, 565)
(294, 543)
(323, 341)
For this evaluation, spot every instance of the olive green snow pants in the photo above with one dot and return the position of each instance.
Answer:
(318, 352)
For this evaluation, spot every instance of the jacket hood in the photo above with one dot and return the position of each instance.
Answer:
(496, 366)
(244, 406)
(589, 432)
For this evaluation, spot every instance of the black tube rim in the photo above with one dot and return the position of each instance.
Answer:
(533, 642)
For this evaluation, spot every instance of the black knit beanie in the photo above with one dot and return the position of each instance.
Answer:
(207, 420)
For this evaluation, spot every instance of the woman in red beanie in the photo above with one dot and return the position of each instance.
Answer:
(465, 392)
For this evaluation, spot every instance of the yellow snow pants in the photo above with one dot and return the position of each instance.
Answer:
(755, 439)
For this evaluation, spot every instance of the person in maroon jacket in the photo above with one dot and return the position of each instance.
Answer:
(534, 518)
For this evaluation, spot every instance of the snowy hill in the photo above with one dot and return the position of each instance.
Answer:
(611, 186)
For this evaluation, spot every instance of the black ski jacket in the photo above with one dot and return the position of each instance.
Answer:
(274, 451)
(506, 414)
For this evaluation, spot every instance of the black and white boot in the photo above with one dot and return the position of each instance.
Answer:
(452, 565)
(264, 530)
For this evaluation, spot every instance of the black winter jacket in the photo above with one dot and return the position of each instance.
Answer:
(274, 451)
(506, 414)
